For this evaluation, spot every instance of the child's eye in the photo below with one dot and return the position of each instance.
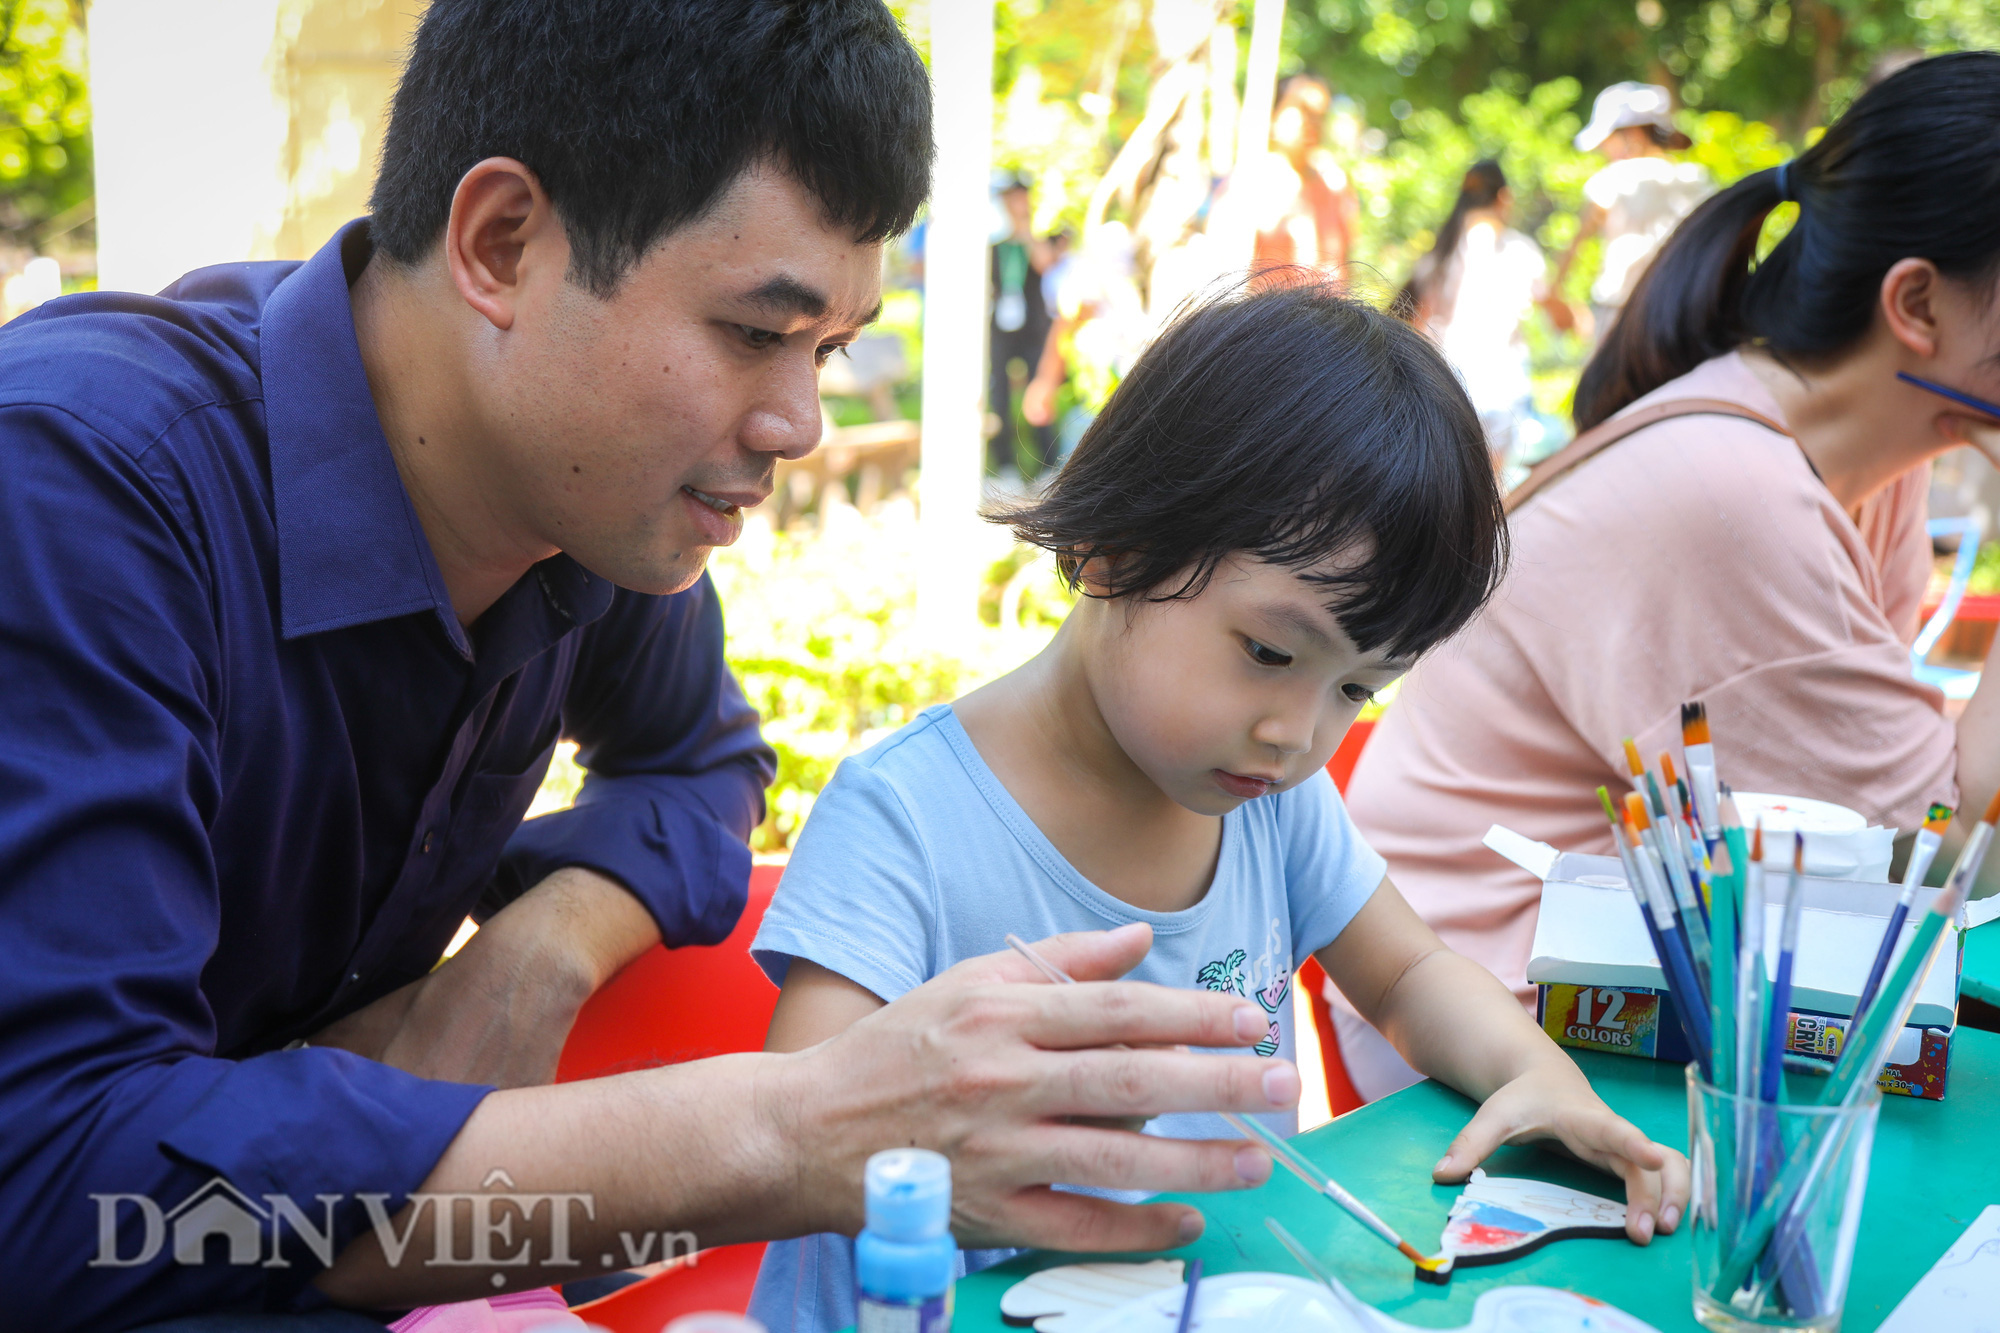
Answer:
(1359, 694)
(1264, 656)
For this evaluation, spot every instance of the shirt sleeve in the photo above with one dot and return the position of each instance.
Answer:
(858, 896)
(116, 1108)
(676, 769)
(1330, 870)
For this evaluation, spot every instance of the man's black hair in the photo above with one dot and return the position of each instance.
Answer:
(637, 115)
(1302, 427)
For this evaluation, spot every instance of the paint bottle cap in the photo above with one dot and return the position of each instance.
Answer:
(909, 1194)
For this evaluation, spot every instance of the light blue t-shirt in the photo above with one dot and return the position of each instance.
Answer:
(916, 858)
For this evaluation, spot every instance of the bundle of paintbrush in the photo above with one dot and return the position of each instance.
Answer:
(1699, 883)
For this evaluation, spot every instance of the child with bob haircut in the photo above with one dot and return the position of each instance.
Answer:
(1285, 503)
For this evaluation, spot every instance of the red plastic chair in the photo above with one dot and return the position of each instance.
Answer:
(1349, 752)
(1340, 1094)
(667, 1007)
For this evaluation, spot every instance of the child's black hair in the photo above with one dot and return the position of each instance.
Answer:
(1295, 424)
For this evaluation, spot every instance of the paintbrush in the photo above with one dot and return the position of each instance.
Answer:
(1668, 941)
(1635, 765)
(1680, 898)
(1750, 974)
(1929, 838)
(1878, 1026)
(1431, 1268)
(1681, 819)
(1778, 1224)
(1358, 1310)
(1699, 753)
(1282, 1152)
(1728, 887)
(1187, 1301)
(1749, 1023)
(1778, 1020)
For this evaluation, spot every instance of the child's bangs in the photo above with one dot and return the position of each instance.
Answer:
(1304, 428)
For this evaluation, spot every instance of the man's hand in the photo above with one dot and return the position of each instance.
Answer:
(1554, 1101)
(987, 1063)
(499, 1010)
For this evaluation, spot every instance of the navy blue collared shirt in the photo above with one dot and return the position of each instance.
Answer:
(253, 774)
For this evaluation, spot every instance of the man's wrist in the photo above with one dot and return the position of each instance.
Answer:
(781, 1128)
(586, 926)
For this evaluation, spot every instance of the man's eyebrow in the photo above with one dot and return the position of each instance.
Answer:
(786, 295)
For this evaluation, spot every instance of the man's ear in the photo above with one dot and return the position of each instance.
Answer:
(502, 228)
(1909, 304)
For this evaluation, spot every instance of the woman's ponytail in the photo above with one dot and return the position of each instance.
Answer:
(1912, 170)
(1684, 308)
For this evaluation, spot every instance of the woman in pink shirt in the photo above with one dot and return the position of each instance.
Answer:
(1767, 557)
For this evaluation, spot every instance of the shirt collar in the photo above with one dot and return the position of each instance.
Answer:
(350, 548)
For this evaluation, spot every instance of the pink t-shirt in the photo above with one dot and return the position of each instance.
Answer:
(1699, 558)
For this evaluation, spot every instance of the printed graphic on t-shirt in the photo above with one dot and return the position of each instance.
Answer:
(1228, 977)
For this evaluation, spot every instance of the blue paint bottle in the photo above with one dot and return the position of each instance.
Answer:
(905, 1260)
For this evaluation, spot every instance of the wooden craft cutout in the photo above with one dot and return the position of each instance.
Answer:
(1496, 1218)
(1282, 1303)
(1065, 1299)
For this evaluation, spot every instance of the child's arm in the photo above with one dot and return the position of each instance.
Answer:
(816, 1004)
(1453, 1020)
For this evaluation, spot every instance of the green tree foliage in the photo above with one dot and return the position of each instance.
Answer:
(1791, 62)
(45, 166)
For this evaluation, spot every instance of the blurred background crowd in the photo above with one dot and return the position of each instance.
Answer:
(1498, 171)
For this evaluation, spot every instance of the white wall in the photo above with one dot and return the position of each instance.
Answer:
(190, 128)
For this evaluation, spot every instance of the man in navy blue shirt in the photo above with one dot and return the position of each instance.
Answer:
(307, 567)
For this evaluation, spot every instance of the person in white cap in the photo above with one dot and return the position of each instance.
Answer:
(1638, 198)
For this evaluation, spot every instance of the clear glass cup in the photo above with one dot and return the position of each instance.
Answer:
(1776, 1207)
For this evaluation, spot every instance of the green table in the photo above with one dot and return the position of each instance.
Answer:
(1932, 1174)
(1979, 971)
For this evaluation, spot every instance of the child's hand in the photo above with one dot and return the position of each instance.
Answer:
(1553, 1100)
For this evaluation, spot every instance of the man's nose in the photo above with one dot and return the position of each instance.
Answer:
(786, 419)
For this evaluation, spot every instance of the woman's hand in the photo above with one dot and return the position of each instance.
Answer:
(1979, 432)
(1553, 1101)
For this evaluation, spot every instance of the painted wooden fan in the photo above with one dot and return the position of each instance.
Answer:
(1496, 1218)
